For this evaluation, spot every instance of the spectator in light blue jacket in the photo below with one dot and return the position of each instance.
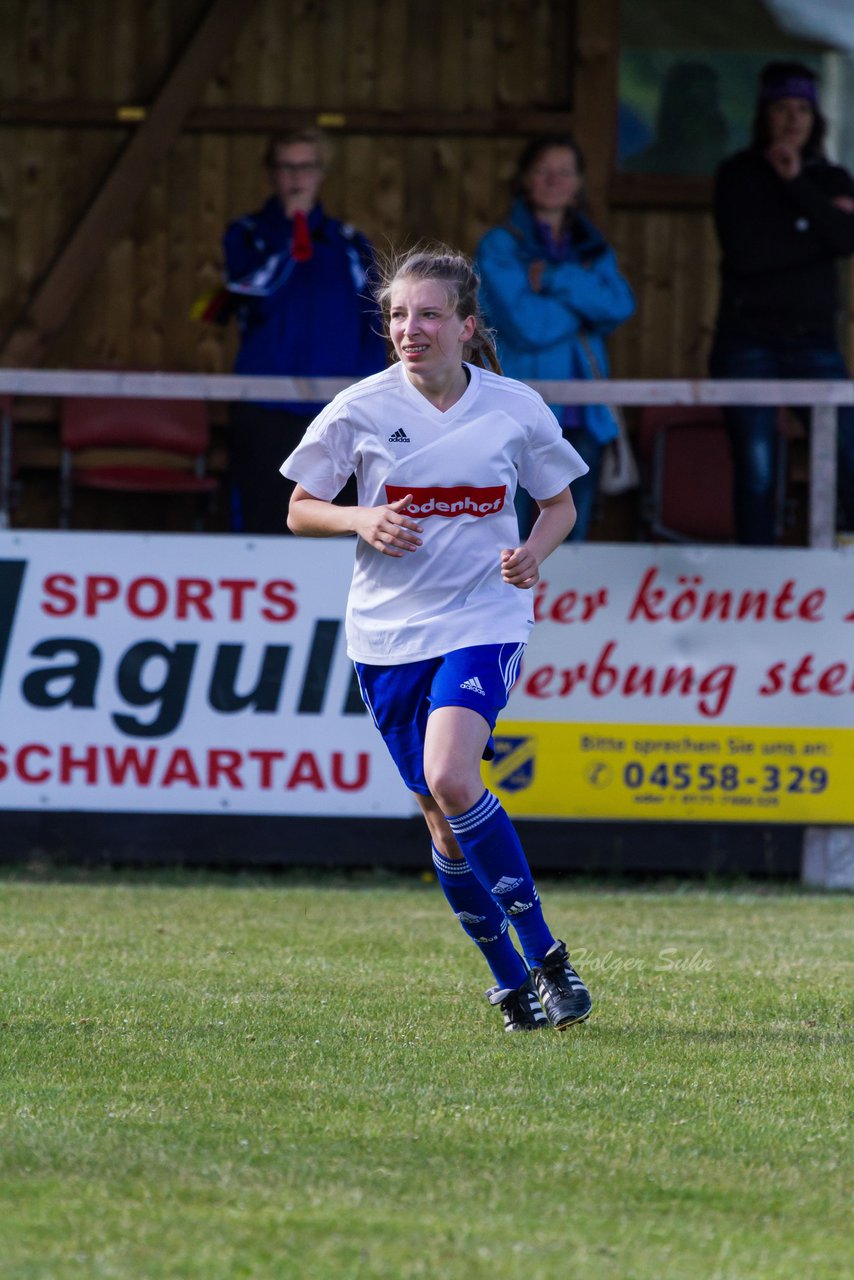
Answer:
(552, 290)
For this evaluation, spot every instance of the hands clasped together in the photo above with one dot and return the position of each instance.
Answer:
(388, 530)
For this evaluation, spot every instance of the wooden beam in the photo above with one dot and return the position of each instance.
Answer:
(239, 119)
(661, 191)
(50, 305)
(595, 97)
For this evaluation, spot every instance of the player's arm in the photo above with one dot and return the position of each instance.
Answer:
(521, 566)
(385, 527)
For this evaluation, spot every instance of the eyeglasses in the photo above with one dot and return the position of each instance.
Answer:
(554, 173)
(285, 166)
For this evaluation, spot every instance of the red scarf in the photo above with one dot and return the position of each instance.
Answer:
(302, 250)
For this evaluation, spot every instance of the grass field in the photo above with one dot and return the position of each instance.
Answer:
(208, 1077)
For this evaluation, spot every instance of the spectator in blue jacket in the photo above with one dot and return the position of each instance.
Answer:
(551, 288)
(298, 280)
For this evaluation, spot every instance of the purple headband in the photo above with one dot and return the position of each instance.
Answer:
(794, 87)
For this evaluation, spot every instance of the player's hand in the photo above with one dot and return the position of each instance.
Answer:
(785, 160)
(519, 567)
(387, 529)
(845, 203)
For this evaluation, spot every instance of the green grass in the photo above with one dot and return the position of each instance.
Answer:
(212, 1078)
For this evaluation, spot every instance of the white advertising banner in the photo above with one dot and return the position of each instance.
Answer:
(209, 674)
(183, 674)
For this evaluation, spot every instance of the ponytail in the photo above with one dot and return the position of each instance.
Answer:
(481, 350)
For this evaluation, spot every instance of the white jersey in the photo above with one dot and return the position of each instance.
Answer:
(462, 467)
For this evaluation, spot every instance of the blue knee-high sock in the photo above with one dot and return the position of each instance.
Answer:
(492, 849)
(481, 918)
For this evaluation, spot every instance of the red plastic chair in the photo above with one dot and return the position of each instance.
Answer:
(687, 465)
(687, 468)
(175, 433)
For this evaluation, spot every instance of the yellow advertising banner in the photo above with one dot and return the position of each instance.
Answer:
(674, 772)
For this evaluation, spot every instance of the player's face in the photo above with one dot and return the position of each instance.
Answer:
(296, 173)
(425, 330)
(554, 181)
(790, 120)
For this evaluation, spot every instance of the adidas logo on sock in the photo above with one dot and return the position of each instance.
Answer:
(399, 437)
(516, 908)
(506, 884)
(466, 917)
(475, 686)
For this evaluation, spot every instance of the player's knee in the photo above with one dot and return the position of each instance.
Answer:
(453, 791)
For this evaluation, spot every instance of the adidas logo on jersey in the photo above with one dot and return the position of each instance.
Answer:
(399, 437)
(474, 686)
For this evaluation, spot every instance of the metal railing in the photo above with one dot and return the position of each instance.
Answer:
(823, 398)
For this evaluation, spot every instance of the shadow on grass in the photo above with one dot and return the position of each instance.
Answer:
(44, 871)
(39, 869)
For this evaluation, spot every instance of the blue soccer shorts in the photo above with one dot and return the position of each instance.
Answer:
(401, 698)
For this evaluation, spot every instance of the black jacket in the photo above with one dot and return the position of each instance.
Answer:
(780, 242)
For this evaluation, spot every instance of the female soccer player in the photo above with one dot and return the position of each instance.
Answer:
(440, 607)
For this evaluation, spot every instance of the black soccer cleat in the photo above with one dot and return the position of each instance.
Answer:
(521, 1008)
(563, 995)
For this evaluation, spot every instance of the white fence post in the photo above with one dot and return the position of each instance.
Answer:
(822, 520)
(827, 858)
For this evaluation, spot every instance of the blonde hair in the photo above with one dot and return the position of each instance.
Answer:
(457, 276)
(286, 138)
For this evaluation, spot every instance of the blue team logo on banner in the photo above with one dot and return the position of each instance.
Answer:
(513, 766)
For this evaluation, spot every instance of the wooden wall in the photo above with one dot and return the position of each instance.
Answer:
(340, 56)
(468, 82)
(671, 256)
(318, 55)
(671, 260)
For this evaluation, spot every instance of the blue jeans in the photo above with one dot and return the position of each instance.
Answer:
(753, 428)
(583, 491)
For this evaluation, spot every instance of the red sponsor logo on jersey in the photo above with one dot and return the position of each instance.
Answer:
(461, 500)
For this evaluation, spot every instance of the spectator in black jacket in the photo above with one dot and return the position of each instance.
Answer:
(784, 218)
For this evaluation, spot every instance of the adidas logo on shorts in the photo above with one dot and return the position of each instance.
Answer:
(474, 686)
(399, 437)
